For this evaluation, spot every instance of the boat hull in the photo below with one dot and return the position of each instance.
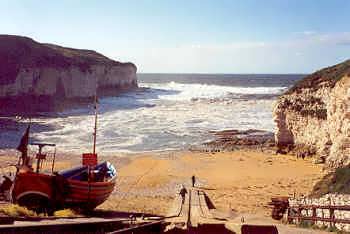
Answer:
(88, 194)
(32, 190)
(35, 191)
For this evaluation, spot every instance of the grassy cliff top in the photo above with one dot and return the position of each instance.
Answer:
(337, 181)
(17, 52)
(326, 76)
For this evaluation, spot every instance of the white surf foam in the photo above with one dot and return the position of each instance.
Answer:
(187, 92)
(160, 117)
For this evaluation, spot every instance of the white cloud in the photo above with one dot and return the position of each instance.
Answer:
(302, 54)
(341, 38)
(306, 33)
(337, 39)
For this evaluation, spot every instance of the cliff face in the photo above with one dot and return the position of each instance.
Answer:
(315, 115)
(31, 70)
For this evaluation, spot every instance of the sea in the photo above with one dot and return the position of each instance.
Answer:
(167, 112)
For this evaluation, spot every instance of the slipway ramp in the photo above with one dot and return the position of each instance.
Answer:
(194, 212)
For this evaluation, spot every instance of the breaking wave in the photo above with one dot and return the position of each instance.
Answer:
(187, 92)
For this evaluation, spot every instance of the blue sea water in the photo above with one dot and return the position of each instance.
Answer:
(169, 112)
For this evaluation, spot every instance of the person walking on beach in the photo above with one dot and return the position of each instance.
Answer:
(183, 192)
(193, 180)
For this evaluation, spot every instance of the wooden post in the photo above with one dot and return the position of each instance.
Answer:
(95, 127)
(38, 161)
(299, 215)
(322, 216)
(189, 224)
(331, 216)
(288, 214)
(53, 161)
(314, 215)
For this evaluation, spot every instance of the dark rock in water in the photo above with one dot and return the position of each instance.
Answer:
(39, 77)
(230, 140)
(253, 139)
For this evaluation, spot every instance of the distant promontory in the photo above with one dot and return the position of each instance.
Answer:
(39, 77)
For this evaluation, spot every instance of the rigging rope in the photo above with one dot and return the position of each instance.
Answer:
(136, 182)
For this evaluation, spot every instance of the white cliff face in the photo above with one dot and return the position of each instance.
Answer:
(318, 119)
(339, 123)
(37, 76)
(126, 74)
(70, 82)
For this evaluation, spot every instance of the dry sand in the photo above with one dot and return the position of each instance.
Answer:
(243, 181)
(239, 181)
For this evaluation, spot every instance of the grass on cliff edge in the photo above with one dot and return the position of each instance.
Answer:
(337, 181)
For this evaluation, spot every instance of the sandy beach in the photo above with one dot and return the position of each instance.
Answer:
(240, 181)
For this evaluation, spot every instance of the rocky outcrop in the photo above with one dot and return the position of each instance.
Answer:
(314, 115)
(233, 139)
(40, 75)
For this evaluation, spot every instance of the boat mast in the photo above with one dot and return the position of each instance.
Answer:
(95, 127)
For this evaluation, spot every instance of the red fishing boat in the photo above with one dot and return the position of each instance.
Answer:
(84, 187)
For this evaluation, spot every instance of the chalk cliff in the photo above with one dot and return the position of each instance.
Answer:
(39, 75)
(314, 115)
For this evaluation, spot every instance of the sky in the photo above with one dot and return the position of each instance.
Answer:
(192, 36)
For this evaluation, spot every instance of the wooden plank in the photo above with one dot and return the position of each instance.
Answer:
(78, 225)
(195, 212)
(319, 219)
(152, 227)
(178, 213)
(204, 206)
(191, 214)
(176, 207)
(344, 207)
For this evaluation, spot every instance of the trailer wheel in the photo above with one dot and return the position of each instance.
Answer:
(278, 211)
(38, 203)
